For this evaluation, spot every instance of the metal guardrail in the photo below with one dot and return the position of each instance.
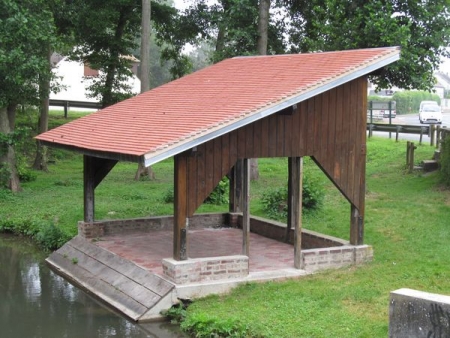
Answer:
(433, 131)
(66, 104)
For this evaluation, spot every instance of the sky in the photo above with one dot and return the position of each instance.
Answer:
(445, 66)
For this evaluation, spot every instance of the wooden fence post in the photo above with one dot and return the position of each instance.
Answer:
(432, 134)
(438, 136)
(422, 129)
(411, 157)
(408, 145)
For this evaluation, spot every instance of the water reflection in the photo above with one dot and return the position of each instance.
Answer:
(35, 302)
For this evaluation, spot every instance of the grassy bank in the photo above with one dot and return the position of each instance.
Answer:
(406, 222)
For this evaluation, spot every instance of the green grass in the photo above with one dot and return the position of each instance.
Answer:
(407, 218)
(406, 221)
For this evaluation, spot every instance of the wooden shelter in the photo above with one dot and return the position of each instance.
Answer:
(214, 120)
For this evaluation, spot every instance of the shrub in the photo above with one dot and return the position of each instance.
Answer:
(169, 196)
(205, 326)
(26, 175)
(45, 233)
(275, 200)
(50, 237)
(218, 196)
(220, 193)
(409, 101)
(176, 314)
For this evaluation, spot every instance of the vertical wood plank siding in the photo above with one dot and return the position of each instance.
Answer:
(330, 127)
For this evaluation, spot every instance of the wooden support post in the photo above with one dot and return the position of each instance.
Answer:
(89, 188)
(438, 136)
(408, 144)
(432, 134)
(422, 129)
(236, 186)
(231, 190)
(95, 170)
(411, 157)
(180, 219)
(295, 205)
(246, 208)
(289, 199)
(356, 226)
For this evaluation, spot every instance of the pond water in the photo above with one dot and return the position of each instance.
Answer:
(37, 303)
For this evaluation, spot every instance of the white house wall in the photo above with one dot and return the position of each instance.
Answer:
(71, 76)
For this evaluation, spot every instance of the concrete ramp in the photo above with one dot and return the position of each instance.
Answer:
(132, 290)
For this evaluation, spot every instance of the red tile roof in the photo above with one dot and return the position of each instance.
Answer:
(211, 102)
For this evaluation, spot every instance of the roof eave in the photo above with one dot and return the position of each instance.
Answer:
(94, 153)
(153, 158)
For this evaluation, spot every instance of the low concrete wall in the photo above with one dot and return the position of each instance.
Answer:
(109, 227)
(313, 260)
(418, 314)
(318, 251)
(277, 230)
(261, 226)
(198, 270)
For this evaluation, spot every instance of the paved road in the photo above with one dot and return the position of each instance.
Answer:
(413, 119)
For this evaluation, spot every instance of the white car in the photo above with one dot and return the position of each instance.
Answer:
(430, 113)
(423, 103)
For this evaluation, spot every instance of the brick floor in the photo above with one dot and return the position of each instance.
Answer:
(147, 249)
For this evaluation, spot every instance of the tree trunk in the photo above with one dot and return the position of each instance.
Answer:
(40, 161)
(263, 26)
(8, 169)
(221, 34)
(145, 46)
(145, 74)
(143, 171)
(107, 99)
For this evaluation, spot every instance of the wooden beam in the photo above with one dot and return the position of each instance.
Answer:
(180, 208)
(289, 199)
(95, 170)
(246, 208)
(236, 187)
(356, 226)
(357, 208)
(295, 205)
(89, 187)
(102, 168)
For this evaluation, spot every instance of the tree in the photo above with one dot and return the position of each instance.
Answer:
(263, 26)
(145, 46)
(421, 28)
(26, 26)
(145, 70)
(238, 27)
(105, 34)
(64, 29)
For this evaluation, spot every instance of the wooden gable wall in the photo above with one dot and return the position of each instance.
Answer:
(330, 127)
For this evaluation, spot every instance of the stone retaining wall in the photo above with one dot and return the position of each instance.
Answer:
(198, 270)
